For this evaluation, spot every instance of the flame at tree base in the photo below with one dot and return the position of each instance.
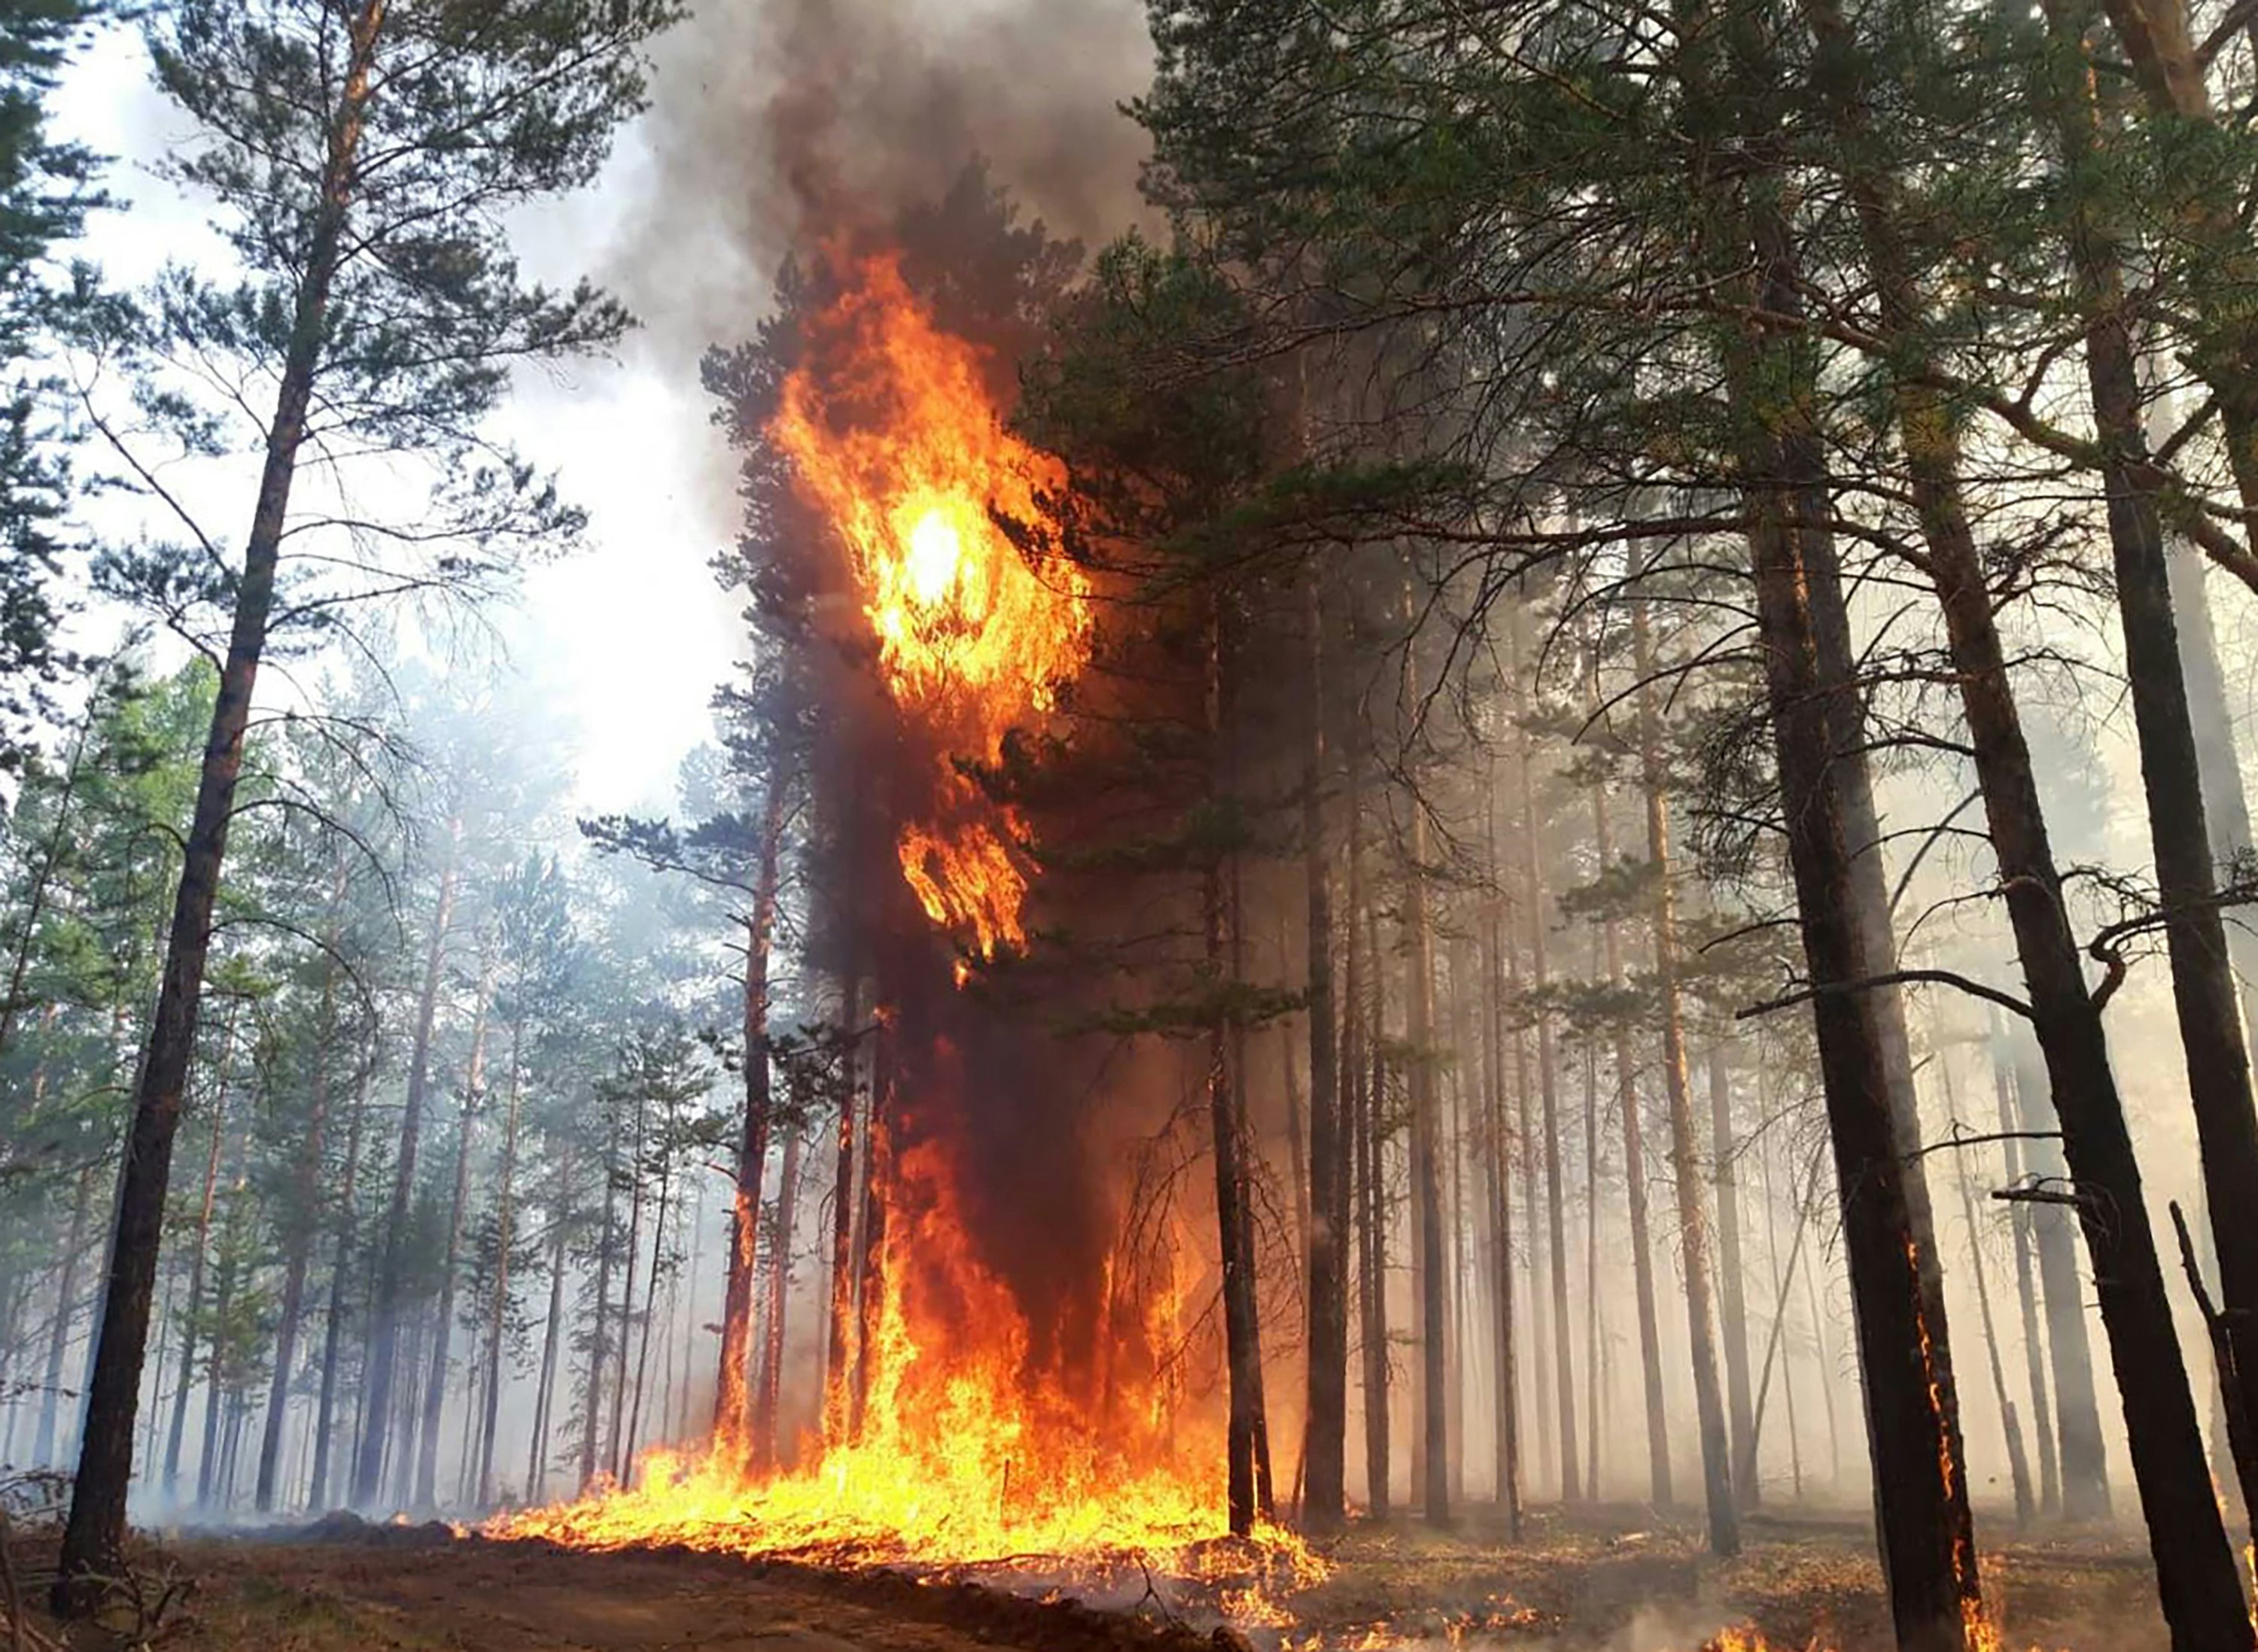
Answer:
(969, 1454)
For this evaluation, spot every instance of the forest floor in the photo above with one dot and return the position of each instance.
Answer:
(1596, 1583)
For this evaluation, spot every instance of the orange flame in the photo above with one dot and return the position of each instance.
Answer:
(893, 433)
(969, 1454)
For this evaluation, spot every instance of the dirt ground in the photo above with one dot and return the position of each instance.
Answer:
(1601, 1582)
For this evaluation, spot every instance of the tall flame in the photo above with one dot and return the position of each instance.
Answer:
(892, 432)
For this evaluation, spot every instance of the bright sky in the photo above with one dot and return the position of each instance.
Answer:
(627, 642)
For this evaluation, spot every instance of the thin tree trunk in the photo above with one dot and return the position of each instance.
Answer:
(839, 1346)
(617, 1455)
(1685, 1154)
(74, 1245)
(2019, 1467)
(1731, 1275)
(1234, 1220)
(1498, 1174)
(435, 1390)
(768, 1412)
(731, 1388)
(222, 1298)
(1548, 1093)
(306, 1188)
(2034, 1349)
(171, 1480)
(505, 1237)
(592, 1400)
(545, 1396)
(1642, 1241)
(384, 1315)
(340, 1273)
(2078, 1410)
(1360, 1060)
(650, 1305)
(1596, 1421)
(1426, 1130)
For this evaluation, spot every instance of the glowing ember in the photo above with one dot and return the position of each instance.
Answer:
(892, 433)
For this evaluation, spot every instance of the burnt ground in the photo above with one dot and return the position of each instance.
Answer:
(1602, 1582)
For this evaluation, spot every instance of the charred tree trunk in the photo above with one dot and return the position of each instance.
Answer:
(384, 1315)
(1818, 722)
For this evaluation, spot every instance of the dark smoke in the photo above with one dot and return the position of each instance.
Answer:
(778, 124)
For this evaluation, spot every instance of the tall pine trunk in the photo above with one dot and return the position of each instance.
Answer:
(839, 1340)
(386, 1313)
(435, 1390)
(1426, 1146)
(1548, 1087)
(43, 1445)
(498, 1298)
(191, 1321)
(1732, 1279)
(2034, 1346)
(340, 1275)
(1325, 1435)
(1642, 1239)
(1819, 721)
(768, 1408)
(732, 1385)
(305, 1201)
(617, 1455)
(1685, 1155)
(2204, 992)
(1361, 1058)
(1498, 1180)
(1234, 1218)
